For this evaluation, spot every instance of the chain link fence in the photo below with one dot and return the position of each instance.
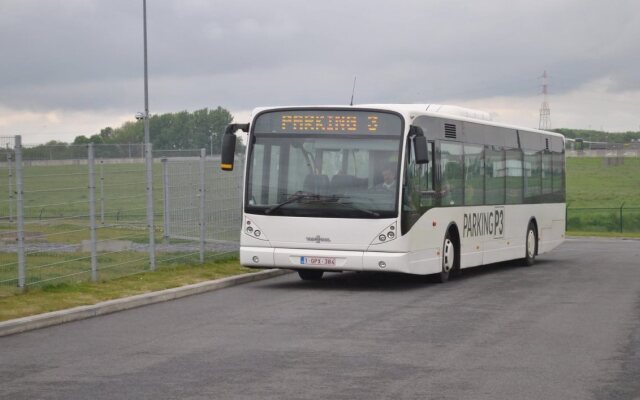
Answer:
(79, 212)
(183, 187)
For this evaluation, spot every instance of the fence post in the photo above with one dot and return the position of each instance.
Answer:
(102, 192)
(203, 155)
(150, 215)
(165, 197)
(20, 212)
(621, 224)
(92, 212)
(10, 165)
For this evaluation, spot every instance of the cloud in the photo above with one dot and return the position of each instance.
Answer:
(40, 127)
(85, 57)
(591, 106)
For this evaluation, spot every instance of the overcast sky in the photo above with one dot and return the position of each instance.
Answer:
(72, 67)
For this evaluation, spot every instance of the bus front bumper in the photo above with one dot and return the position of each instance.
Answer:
(423, 262)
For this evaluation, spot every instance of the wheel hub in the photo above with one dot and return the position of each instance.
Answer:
(531, 244)
(448, 256)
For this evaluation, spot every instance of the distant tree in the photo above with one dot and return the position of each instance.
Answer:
(55, 143)
(106, 133)
(82, 139)
(96, 139)
(129, 132)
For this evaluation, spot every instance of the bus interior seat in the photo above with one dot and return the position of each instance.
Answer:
(341, 183)
(317, 184)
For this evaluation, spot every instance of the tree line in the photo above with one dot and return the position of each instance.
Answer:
(599, 136)
(171, 131)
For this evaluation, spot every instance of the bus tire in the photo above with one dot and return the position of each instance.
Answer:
(531, 245)
(448, 259)
(310, 274)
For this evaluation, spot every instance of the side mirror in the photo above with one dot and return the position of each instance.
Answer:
(228, 151)
(229, 145)
(420, 148)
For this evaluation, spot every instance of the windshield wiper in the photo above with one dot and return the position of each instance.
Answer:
(355, 207)
(295, 197)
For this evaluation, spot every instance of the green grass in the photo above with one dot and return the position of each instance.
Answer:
(61, 191)
(60, 296)
(54, 267)
(592, 184)
(595, 193)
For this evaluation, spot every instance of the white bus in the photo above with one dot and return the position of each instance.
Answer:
(418, 189)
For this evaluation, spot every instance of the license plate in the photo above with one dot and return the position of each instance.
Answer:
(317, 261)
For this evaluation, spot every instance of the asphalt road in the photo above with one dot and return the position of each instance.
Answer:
(567, 328)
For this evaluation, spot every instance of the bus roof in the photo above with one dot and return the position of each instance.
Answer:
(410, 111)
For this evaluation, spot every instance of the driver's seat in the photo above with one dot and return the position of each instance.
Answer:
(316, 184)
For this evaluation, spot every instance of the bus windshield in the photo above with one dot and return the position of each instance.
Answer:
(316, 175)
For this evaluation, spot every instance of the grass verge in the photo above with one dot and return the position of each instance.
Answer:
(61, 296)
(632, 235)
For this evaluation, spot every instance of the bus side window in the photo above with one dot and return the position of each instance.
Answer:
(473, 174)
(495, 172)
(452, 175)
(532, 176)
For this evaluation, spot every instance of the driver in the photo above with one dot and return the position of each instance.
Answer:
(389, 179)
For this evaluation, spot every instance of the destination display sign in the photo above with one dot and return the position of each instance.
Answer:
(329, 121)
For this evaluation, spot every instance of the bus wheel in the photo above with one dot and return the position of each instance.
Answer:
(448, 259)
(310, 274)
(530, 247)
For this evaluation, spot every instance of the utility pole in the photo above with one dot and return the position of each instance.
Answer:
(545, 111)
(146, 75)
(148, 155)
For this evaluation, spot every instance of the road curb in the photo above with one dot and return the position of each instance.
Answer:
(602, 238)
(25, 324)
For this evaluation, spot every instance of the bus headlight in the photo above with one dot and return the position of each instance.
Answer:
(387, 234)
(251, 229)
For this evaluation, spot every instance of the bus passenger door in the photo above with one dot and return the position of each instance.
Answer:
(418, 194)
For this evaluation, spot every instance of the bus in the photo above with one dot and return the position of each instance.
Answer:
(418, 189)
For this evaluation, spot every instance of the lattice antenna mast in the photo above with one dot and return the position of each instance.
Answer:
(545, 111)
